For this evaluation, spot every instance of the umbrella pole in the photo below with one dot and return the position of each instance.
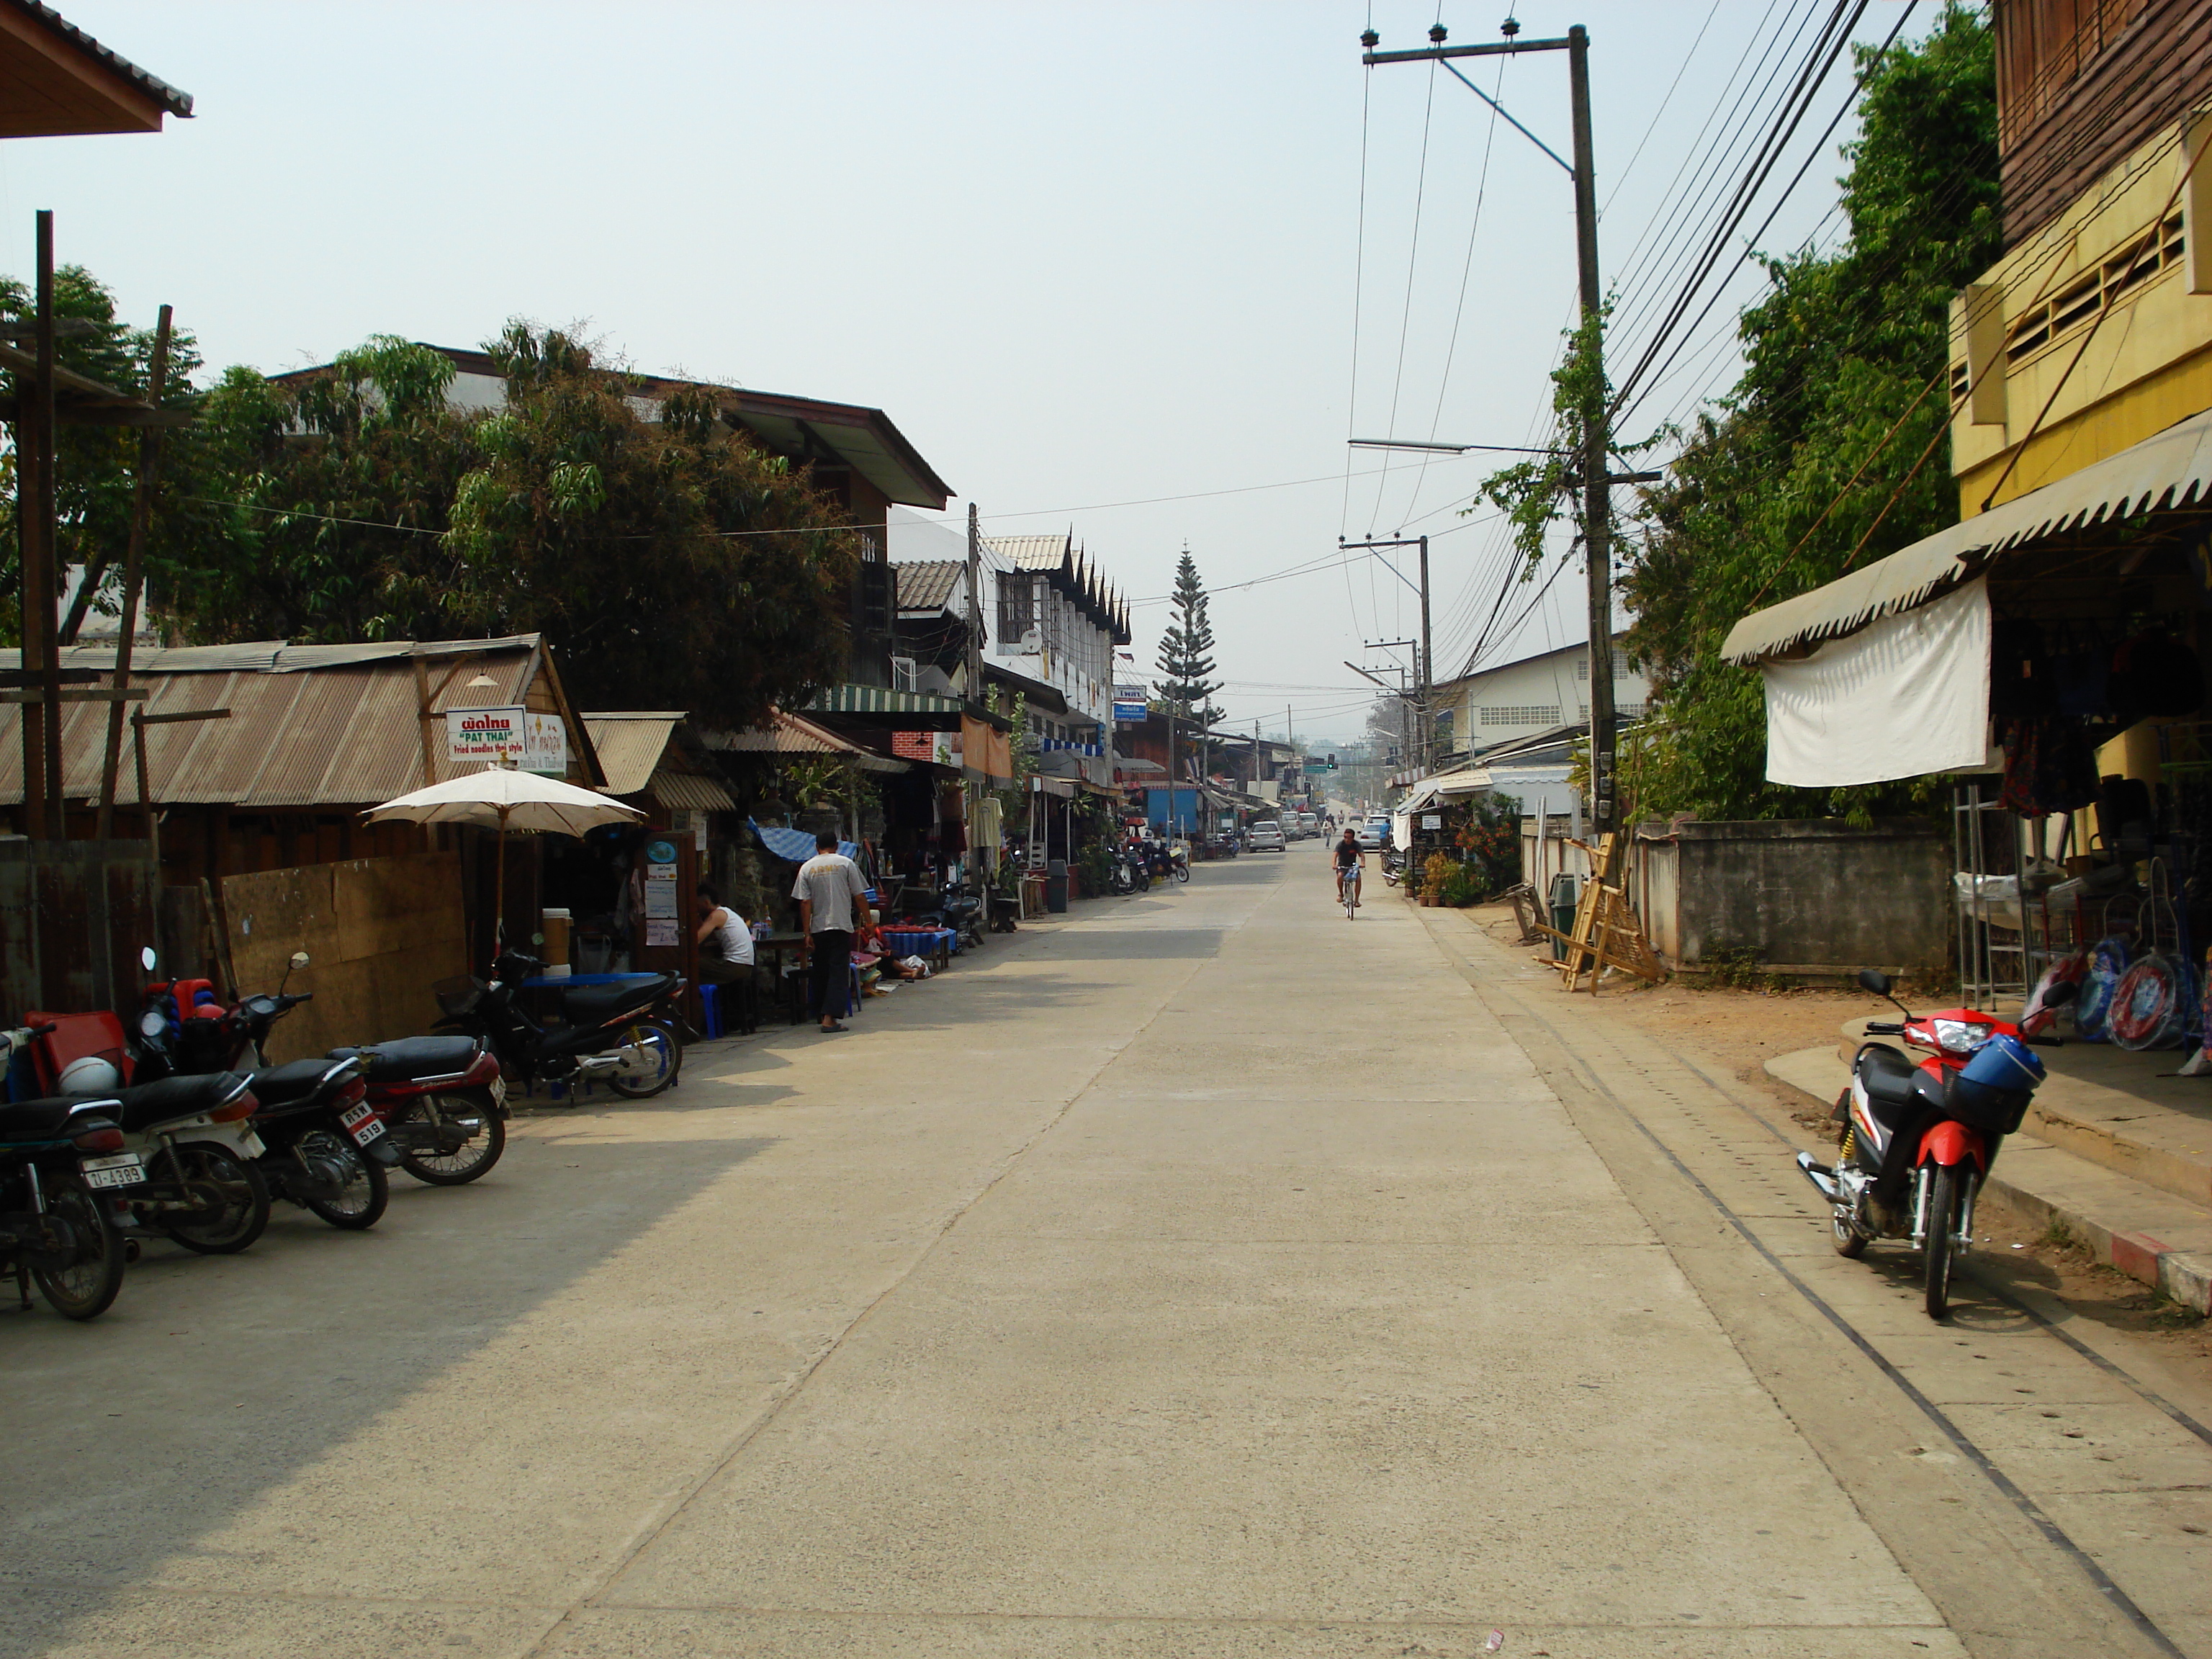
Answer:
(499, 891)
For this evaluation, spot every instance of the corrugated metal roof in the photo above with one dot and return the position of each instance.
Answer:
(300, 735)
(928, 584)
(1031, 552)
(690, 792)
(630, 746)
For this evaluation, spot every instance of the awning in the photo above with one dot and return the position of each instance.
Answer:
(1903, 698)
(1471, 781)
(630, 746)
(916, 710)
(795, 846)
(690, 792)
(2173, 468)
(789, 734)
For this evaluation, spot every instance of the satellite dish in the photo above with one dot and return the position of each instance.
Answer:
(1032, 644)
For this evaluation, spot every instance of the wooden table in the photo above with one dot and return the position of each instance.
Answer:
(792, 989)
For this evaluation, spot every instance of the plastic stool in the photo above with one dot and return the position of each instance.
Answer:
(710, 1006)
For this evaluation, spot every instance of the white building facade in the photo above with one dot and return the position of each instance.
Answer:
(1518, 700)
(1049, 617)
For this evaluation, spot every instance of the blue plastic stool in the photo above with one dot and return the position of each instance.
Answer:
(710, 1004)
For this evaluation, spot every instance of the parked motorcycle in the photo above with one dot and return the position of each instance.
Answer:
(191, 1137)
(623, 1034)
(442, 1101)
(59, 1155)
(1948, 1113)
(1393, 866)
(324, 1147)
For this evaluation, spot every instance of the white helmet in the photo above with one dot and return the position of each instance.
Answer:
(89, 1074)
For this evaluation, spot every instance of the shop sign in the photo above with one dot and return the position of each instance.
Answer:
(1432, 820)
(1130, 703)
(663, 912)
(512, 736)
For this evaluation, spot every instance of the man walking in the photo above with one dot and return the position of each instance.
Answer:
(832, 898)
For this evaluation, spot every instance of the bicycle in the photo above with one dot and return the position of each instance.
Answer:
(1347, 889)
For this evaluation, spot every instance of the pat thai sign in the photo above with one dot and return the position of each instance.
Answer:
(508, 736)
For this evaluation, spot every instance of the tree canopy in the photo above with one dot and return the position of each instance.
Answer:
(1828, 453)
(671, 564)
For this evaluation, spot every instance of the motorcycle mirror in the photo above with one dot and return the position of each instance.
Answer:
(2060, 995)
(152, 1025)
(1872, 980)
(147, 958)
(299, 958)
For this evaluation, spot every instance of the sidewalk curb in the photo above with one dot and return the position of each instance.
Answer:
(2185, 1275)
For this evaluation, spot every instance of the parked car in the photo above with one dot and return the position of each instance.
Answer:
(1371, 835)
(1309, 824)
(1265, 836)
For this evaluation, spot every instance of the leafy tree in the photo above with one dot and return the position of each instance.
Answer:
(1827, 454)
(672, 564)
(1185, 660)
(96, 467)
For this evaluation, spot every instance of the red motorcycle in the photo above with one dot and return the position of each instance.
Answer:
(1917, 1139)
(442, 1101)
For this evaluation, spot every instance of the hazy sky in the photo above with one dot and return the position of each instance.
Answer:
(1085, 256)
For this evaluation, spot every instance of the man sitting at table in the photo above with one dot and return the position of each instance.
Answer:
(725, 955)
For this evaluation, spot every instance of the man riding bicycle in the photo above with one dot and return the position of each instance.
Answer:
(1351, 864)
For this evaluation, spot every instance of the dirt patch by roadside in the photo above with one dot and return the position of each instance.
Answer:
(1742, 1030)
(1735, 1032)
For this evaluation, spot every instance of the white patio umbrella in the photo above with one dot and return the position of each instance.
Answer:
(499, 798)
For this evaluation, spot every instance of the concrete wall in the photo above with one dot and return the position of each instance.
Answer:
(1810, 894)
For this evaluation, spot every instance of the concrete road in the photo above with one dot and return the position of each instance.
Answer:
(1203, 1274)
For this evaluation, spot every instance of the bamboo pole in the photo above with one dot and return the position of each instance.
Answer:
(134, 579)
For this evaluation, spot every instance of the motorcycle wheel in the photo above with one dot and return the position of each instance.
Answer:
(665, 1059)
(1942, 1209)
(245, 1212)
(1851, 1243)
(361, 1202)
(473, 1157)
(1182, 872)
(85, 1288)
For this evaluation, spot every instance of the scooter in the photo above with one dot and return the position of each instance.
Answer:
(59, 1157)
(442, 1101)
(1951, 1111)
(622, 1035)
(189, 1139)
(324, 1147)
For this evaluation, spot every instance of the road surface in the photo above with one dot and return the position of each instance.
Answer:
(1202, 1274)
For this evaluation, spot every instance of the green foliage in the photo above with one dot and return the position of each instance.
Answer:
(1185, 661)
(672, 564)
(96, 467)
(1491, 841)
(1836, 353)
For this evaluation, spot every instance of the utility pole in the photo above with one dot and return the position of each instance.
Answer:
(974, 607)
(1596, 480)
(1424, 669)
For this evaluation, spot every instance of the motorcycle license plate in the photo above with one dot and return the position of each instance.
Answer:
(362, 1122)
(499, 1092)
(123, 1170)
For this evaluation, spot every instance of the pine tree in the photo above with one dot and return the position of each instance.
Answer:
(1186, 656)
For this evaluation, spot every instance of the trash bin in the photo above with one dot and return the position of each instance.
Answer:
(1564, 898)
(1056, 887)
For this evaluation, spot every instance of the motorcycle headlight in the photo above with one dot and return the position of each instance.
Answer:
(1961, 1036)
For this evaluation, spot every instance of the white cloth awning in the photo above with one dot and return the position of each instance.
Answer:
(1907, 696)
(2171, 469)
(1472, 780)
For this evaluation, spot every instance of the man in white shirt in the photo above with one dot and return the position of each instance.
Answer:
(832, 898)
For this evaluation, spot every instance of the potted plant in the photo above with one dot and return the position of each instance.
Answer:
(1435, 872)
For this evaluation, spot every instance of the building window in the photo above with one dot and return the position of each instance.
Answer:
(1017, 607)
(2096, 290)
(1522, 715)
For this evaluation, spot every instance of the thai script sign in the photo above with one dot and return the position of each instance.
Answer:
(510, 737)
